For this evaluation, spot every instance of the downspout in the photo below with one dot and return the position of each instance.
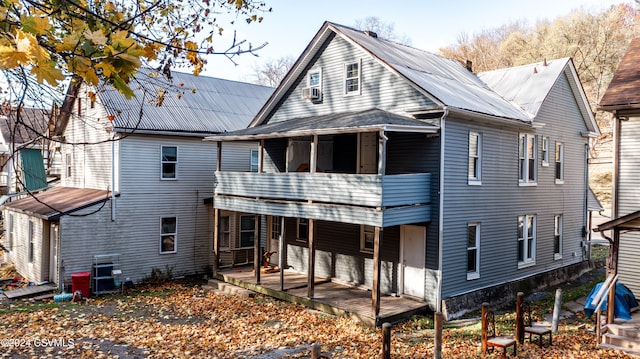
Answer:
(587, 226)
(113, 178)
(616, 169)
(440, 212)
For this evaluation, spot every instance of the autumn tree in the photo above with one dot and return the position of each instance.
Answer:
(272, 71)
(384, 30)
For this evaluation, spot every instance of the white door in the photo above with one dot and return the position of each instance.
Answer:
(412, 241)
(275, 231)
(54, 242)
(368, 152)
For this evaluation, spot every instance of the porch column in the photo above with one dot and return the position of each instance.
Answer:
(375, 290)
(256, 249)
(216, 240)
(613, 270)
(261, 156)
(281, 253)
(382, 153)
(312, 260)
(313, 161)
(219, 156)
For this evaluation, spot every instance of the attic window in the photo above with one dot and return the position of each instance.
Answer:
(313, 91)
(352, 78)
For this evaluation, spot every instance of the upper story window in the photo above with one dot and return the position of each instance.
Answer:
(168, 234)
(475, 157)
(527, 159)
(254, 161)
(367, 234)
(473, 251)
(313, 90)
(559, 163)
(352, 78)
(68, 163)
(169, 163)
(557, 236)
(545, 151)
(526, 240)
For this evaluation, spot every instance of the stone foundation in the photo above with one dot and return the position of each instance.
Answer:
(504, 295)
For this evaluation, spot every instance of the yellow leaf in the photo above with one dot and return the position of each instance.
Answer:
(48, 72)
(37, 25)
(97, 37)
(68, 44)
(22, 54)
(107, 68)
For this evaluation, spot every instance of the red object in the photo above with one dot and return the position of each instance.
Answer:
(81, 281)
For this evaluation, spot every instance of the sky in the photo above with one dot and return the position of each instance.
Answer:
(429, 24)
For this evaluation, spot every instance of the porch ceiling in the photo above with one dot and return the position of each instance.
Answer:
(346, 122)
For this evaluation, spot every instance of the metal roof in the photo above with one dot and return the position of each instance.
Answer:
(59, 201)
(526, 85)
(33, 125)
(190, 104)
(345, 122)
(623, 90)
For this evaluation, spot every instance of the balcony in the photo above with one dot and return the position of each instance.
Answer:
(351, 198)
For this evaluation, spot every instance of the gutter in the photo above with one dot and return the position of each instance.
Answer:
(440, 212)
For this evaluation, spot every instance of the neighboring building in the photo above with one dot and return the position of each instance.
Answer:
(423, 179)
(622, 98)
(135, 178)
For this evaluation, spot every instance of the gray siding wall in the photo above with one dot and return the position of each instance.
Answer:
(381, 88)
(629, 201)
(498, 202)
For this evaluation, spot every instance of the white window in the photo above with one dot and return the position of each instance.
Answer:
(302, 232)
(68, 163)
(545, 151)
(168, 234)
(224, 233)
(527, 161)
(526, 240)
(475, 156)
(314, 78)
(559, 163)
(276, 228)
(352, 78)
(473, 251)
(31, 242)
(367, 234)
(557, 237)
(169, 162)
(254, 161)
(10, 233)
(247, 230)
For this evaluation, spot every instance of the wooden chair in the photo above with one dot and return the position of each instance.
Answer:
(490, 338)
(533, 330)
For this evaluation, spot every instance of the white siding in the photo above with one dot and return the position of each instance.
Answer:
(38, 270)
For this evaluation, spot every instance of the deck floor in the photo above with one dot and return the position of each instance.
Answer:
(328, 296)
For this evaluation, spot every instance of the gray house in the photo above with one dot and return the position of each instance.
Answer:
(136, 180)
(392, 169)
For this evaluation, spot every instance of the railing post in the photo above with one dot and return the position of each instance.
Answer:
(386, 341)
(437, 336)
(485, 310)
(519, 318)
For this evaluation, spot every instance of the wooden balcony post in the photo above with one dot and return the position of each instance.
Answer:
(256, 248)
(382, 153)
(219, 156)
(375, 291)
(312, 260)
(216, 240)
(519, 318)
(313, 161)
(261, 156)
(282, 256)
(613, 270)
(485, 325)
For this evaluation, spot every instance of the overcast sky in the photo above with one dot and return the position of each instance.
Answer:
(430, 24)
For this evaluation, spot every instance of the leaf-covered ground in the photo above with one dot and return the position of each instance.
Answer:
(182, 320)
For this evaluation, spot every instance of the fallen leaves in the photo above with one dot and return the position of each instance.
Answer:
(176, 320)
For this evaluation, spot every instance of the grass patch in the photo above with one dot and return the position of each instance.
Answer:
(599, 252)
(31, 307)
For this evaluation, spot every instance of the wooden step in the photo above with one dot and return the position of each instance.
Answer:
(220, 287)
(30, 291)
(622, 349)
(629, 331)
(621, 342)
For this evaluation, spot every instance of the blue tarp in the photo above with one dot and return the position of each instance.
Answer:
(625, 301)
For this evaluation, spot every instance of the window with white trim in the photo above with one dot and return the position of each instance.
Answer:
(475, 158)
(224, 233)
(169, 163)
(527, 159)
(68, 163)
(473, 251)
(10, 233)
(559, 162)
(247, 230)
(352, 78)
(526, 239)
(557, 236)
(31, 239)
(545, 151)
(367, 234)
(302, 230)
(254, 161)
(276, 228)
(168, 235)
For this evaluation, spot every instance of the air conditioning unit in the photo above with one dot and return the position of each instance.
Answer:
(311, 93)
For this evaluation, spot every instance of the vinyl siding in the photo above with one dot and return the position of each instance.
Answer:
(38, 270)
(380, 87)
(498, 202)
(628, 200)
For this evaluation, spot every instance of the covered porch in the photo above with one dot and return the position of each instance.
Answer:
(328, 296)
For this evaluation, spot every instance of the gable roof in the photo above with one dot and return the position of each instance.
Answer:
(445, 81)
(190, 105)
(528, 86)
(624, 89)
(32, 126)
(59, 201)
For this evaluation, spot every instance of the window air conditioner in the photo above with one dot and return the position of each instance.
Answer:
(311, 93)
